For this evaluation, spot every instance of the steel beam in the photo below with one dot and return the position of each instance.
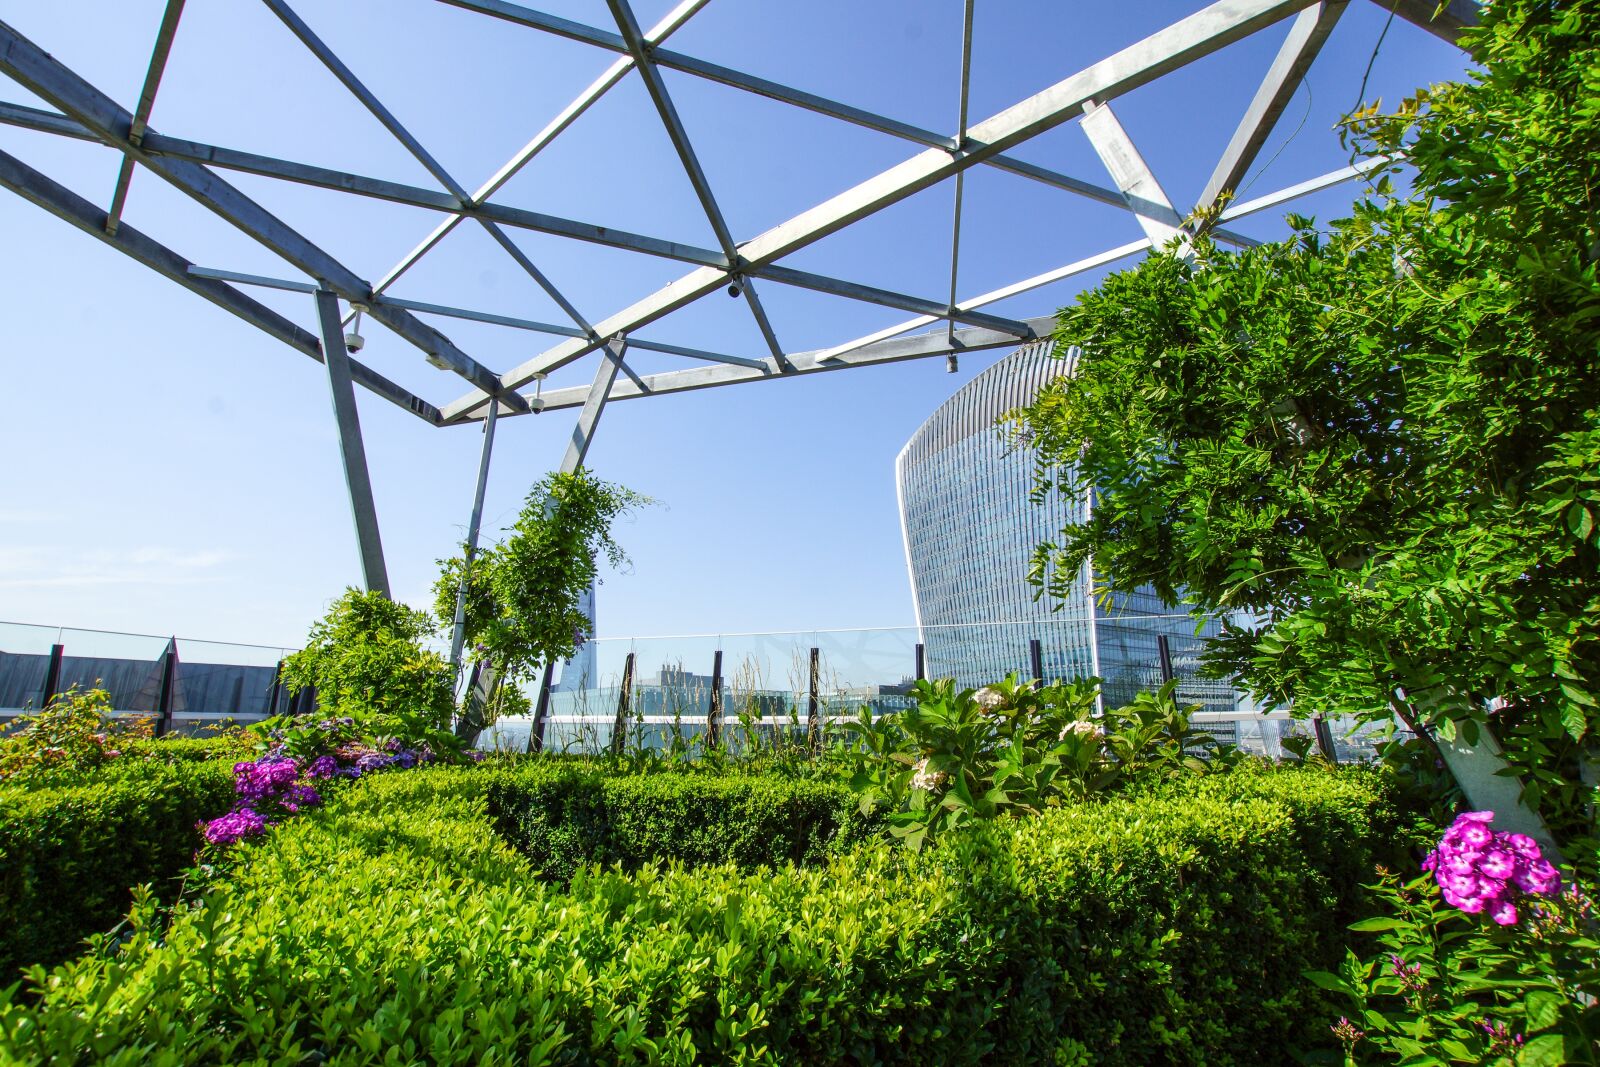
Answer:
(594, 402)
(1444, 20)
(44, 121)
(568, 115)
(1146, 199)
(639, 48)
(478, 316)
(458, 192)
(1100, 259)
(1305, 188)
(820, 105)
(64, 204)
(1200, 34)
(147, 103)
(458, 628)
(895, 350)
(41, 74)
(351, 449)
(961, 179)
(1299, 50)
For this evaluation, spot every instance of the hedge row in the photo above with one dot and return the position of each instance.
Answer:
(69, 855)
(397, 926)
(565, 817)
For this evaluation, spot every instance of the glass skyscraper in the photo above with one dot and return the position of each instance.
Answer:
(971, 526)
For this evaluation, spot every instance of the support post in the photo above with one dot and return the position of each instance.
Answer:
(619, 729)
(540, 709)
(813, 723)
(1036, 662)
(714, 713)
(351, 449)
(52, 677)
(169, 680)
(922, 662)
(276, 691)
(1164, 657)
(1319, 726)
(459, 629)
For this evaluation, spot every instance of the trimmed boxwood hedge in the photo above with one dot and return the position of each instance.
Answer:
(69, 855)
(564, 817)
(397, 926)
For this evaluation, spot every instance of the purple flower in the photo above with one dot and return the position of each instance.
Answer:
(238, 824)
(323, 767)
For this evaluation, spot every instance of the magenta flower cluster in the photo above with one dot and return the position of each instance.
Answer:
(234, 826)
(277, 785)
(1483, 870)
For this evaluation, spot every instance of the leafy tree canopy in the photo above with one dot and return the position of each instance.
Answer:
(1380, 439)
(523, 595)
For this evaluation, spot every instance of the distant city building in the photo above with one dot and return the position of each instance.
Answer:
(971, 525)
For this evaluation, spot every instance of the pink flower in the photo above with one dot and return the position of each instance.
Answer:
(1497, 863)
(1539, 878)
(1504, 912)
(1522, 845)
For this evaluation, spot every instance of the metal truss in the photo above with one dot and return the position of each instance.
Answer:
(194, 168)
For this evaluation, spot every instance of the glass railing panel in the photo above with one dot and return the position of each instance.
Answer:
(220, 680)
(127, 666)
(24, 664)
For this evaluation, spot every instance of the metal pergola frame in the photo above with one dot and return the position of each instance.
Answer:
(85, 113)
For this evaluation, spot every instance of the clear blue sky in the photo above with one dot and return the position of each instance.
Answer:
(170, 470)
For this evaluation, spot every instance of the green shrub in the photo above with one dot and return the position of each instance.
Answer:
(69, 855)
(956, 757)
(228, 746)
(77, 732)
(567, 817)
(396, 926)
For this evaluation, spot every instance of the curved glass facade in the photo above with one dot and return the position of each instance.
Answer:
(971, 525)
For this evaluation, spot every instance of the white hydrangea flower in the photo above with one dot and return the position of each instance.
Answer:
(1089, 731)
(922, 778)
(989, 698)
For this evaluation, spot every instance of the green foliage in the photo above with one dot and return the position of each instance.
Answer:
(523, 594)
(395, 926)
(1378, 439)
(366, 660)
(959, 757)
(568, 817)
(234, 743)
(1448, 987)
(77, 732)
(69, 854)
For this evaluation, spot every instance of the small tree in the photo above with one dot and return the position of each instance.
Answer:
(523, 595)
(366, 660)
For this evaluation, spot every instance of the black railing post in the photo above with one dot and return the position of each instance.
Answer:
(1164, 653)
(714, 712)
(619, 729)
(1324, 732)
(922, 662)
(813, 724)
(276, 692)
(169, 679)
(52, 676)
(1036, 662)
